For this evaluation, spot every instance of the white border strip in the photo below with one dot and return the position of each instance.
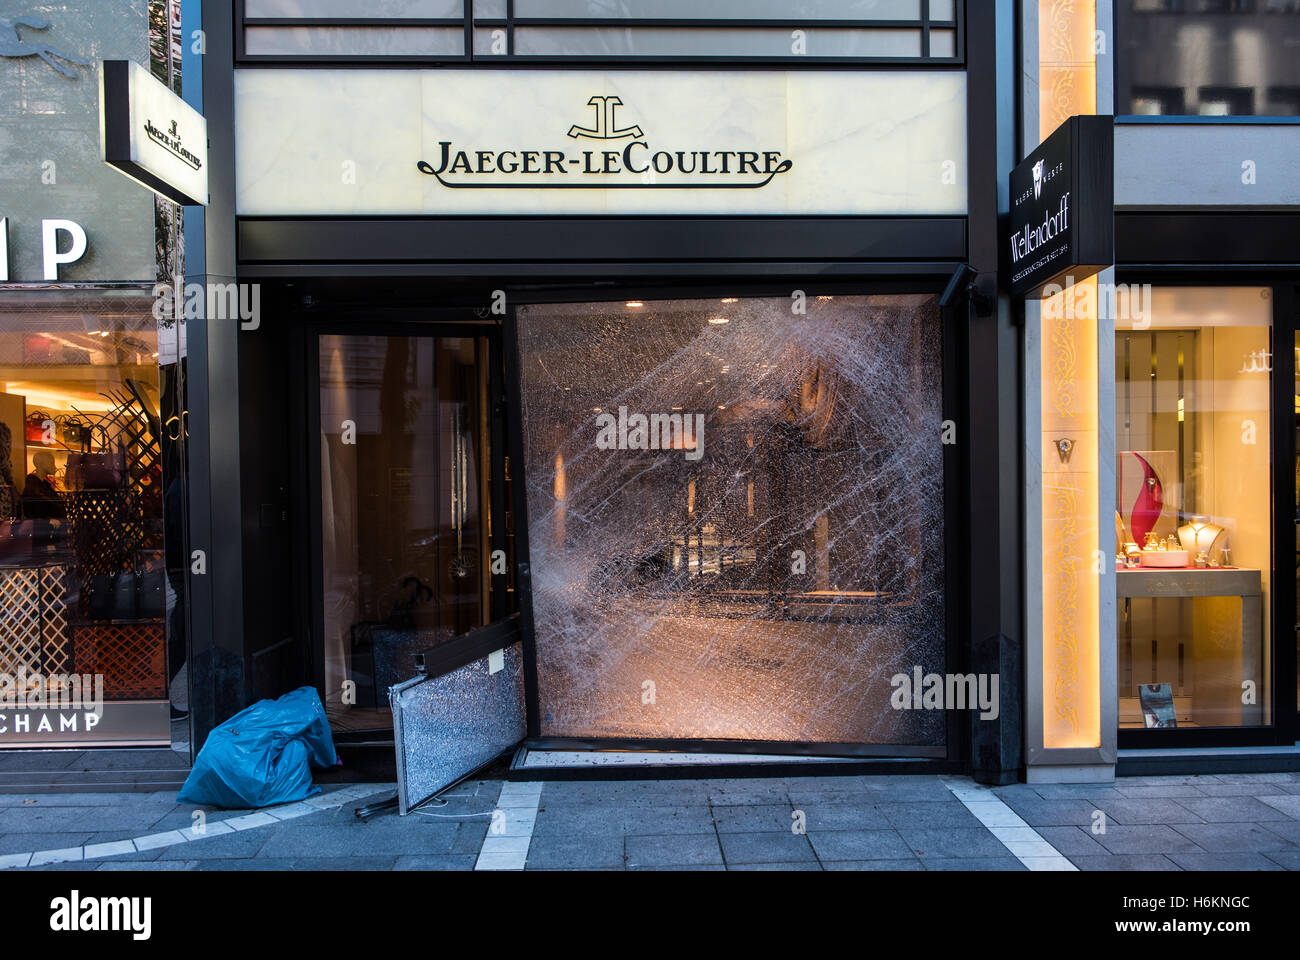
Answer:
(511, 829)
(1024, 842)
(215, 828)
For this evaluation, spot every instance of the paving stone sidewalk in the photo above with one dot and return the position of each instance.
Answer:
(1229, 821)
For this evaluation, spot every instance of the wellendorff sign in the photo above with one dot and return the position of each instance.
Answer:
(630, 165)
(1062, 207)
(1042, 244)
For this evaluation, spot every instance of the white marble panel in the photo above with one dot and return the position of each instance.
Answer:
(346, 142)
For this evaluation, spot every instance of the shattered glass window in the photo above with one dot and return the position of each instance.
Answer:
(735, 516)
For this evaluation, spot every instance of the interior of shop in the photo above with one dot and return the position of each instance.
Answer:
(1193, 509)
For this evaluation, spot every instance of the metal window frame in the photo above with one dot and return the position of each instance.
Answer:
(1281, 646)
(924, 24)
(410, 319)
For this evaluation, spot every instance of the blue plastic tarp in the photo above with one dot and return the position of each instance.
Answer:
(263, 755)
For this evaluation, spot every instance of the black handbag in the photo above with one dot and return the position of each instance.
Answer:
(125, 596)
(111, 596)
(151, 594)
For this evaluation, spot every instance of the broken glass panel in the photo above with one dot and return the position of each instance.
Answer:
(735, 516)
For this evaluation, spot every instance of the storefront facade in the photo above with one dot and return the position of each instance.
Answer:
(604, 344)
(92, 643)
(1186, 661)
(656, 378)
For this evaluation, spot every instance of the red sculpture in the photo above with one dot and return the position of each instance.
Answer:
(1149, 503)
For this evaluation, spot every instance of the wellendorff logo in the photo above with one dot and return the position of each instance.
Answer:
(170, 141)
(1043, 175)
(74, 913)
(1031, 238)
(634, 167)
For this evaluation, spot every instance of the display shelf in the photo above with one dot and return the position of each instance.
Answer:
(1156, 582)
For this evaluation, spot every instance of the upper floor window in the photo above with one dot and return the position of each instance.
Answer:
(1208, 58)
(878, 31)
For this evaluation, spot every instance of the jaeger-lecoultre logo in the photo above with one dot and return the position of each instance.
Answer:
(606, 128)
(635, 167)
(170, 140)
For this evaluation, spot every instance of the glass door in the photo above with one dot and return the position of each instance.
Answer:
(405, 481)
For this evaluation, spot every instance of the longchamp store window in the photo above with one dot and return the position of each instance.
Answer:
(1194, 509)
(85, 589)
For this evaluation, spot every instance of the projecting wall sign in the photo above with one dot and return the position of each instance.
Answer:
(617, 142)
(152, 135)
(1063, 206)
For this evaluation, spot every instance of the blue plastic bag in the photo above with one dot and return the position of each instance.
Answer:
(262, 755)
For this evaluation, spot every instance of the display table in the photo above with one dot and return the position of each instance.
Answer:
(1210, 646)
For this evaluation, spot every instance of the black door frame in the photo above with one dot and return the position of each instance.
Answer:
(953, 379)
(311, 324)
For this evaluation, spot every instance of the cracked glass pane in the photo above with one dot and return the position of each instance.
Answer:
(735, 516)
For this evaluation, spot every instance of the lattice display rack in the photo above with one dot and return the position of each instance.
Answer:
(34, 628)
(132, 656)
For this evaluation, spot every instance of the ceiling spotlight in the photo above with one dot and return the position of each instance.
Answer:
(730, 299)
(719, 321)
(635, 303)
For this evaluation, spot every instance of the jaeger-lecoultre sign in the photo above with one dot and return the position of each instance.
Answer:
(152, 135)
(602, 142)
(632, 165)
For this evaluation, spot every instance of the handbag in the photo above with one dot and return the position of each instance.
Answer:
(73, 431)
(34, 427)
(113, 596)
(105, 470)
(151, 594)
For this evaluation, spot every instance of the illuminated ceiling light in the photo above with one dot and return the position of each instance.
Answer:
(103, 333)
(634, 303)
(825, 298)
(719, 321)
(722, 406)
(730, 299)
(595, 409)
